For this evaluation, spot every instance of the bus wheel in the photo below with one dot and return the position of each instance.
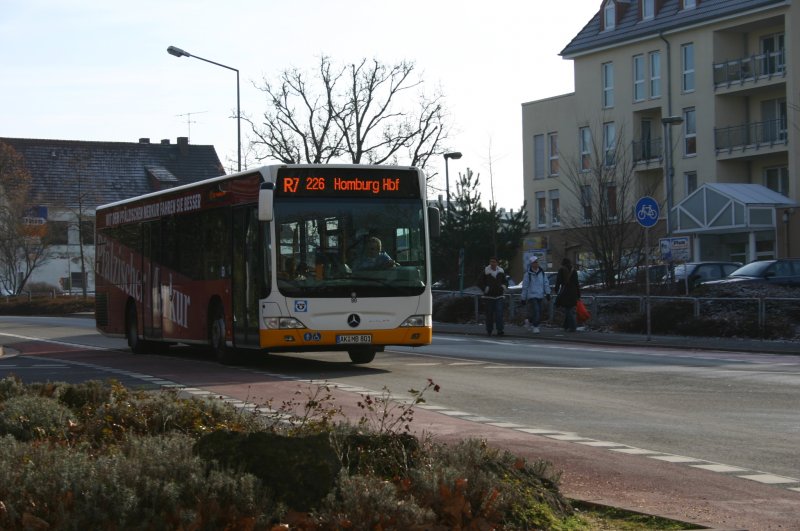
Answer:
(216, 338)
(361, 355)
(135, 343)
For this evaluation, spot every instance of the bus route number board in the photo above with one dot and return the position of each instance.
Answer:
(352, 339)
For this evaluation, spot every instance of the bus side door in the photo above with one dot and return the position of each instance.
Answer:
(151, 284)
(247, 281)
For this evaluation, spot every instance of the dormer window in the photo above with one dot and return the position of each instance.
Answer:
(689, 4)
(610, 15)
(648, 9)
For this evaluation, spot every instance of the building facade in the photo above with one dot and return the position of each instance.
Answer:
(695, 103)
(70, 178)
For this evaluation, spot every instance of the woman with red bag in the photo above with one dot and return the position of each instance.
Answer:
(569, 292)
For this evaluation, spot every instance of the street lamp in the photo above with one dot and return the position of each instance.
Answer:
(447, 157)
(177, 52)
(668, 169)
(787, 213)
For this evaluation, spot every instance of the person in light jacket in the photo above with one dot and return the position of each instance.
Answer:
(535, 289)
(493, 283)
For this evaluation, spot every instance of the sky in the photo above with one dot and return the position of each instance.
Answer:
(99, 69)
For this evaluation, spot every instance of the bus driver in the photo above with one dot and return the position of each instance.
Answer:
(374, 257)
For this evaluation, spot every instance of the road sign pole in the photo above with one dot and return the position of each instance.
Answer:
(647, 277)
(646, 213)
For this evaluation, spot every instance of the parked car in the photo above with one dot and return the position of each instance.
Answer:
(700, 272)
(783, 271)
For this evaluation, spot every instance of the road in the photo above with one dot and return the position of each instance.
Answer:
(730, 416)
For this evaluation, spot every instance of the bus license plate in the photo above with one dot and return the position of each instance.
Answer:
(354, 339)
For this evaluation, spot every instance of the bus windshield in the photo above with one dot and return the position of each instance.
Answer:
(349, 247)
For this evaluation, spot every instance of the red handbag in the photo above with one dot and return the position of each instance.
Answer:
(582, 312)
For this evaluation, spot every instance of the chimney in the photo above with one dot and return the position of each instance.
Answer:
(165, 141)
(144, 140)
(183, 145)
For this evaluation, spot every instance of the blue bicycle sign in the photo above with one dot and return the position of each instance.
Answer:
(647, 211)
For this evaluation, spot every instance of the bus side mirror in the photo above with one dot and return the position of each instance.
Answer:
(434, 222)
(265, 194)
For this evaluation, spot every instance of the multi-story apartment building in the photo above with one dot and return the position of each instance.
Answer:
(701, 98)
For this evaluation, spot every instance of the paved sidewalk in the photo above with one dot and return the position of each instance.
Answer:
(552, 333)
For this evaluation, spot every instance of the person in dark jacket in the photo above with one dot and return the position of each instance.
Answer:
(493, 283)
(569, 291)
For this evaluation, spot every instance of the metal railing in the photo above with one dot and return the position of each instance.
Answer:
(766, 133)
(760, 306)
(751, 68)
(647, 151)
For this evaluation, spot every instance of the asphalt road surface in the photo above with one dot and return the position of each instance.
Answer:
(709, 437)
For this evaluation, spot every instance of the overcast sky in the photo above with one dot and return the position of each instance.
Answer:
(99, 70)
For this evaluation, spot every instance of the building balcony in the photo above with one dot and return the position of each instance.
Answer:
(769, 136)
(648, 152)
(751, 70)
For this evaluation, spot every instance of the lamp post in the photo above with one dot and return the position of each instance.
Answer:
(668, 169)
(447, 157)
(177, 52)
(787, 213)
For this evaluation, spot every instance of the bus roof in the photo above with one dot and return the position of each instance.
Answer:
(268, 174)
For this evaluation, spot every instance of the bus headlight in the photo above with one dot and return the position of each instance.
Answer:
(418, 320)
(282, 323)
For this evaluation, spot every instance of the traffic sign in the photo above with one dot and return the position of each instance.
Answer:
(646, 211)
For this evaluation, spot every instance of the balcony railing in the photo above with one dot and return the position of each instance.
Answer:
(765, 65)
(645, 151)
(758, 134)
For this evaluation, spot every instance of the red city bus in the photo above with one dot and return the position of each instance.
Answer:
(285, 258)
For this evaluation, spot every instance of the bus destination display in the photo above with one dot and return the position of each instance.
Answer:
(337, 182)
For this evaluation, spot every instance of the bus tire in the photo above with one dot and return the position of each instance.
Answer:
(135, 343)
(361, 355)
(216, 337)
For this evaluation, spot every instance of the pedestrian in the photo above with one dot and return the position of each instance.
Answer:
(535, 289)
(493, 284)
(568, 291)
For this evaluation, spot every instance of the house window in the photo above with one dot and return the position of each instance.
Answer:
(586, 148)
(552, 152)
(609, 142)
(611, 201)
(586, 202)
(648, 9)
(689, 4)
(538, 157)
(57, 232)
(87, 232)
(555, 214)
(687, 64)
(777, 179)
(689, 132)
(638, 78)
(773, 114)
(608, 85)
(689, 182)
(541, 209)
(609, 15)
(655, 74)
(773, 52)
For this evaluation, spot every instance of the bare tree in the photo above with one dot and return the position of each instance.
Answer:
(604, 183)
(80, 205)
(23, 243)
(359, 113)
